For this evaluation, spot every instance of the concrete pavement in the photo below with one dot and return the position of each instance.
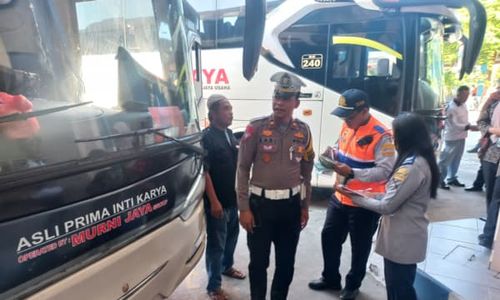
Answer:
(450, 205)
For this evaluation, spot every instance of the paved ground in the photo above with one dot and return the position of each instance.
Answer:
(450, 205)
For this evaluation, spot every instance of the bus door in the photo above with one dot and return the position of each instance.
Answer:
(365, 51)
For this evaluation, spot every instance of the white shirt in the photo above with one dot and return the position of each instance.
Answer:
(457, 118)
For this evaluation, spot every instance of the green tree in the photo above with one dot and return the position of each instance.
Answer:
(490, 49)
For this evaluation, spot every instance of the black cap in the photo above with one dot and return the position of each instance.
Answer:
(350, 101)
(287, 85)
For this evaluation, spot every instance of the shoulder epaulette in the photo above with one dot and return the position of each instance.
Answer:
(258, 119)
(379, 129)
(409, 160)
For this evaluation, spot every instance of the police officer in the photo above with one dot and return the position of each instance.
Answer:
(274, 202)
(365, 156)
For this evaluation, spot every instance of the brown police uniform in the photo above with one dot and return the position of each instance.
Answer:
(280, 159)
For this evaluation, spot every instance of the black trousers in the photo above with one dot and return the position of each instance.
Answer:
(360, 224)
(399, 280)
(479, 181)
(277, 222)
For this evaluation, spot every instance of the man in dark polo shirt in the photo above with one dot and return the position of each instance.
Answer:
(220, 195)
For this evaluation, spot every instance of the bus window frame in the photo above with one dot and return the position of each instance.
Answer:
(361, 79)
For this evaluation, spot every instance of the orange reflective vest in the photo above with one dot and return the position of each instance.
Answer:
(356, 148)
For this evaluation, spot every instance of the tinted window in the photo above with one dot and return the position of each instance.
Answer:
(230, 23)
(306, 46)
(207, 24)
(222, 22)
(368, 56)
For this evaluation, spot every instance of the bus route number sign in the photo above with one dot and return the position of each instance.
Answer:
(312, 61)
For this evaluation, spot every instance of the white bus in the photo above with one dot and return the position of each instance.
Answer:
(390, 49)
(101, 175)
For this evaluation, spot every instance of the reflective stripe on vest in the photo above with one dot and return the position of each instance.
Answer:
(360, 156)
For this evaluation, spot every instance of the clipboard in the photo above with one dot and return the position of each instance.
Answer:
(357, 193)
(373, 195)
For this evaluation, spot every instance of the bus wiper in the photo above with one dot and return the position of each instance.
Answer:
(142, 132)
(24, 116)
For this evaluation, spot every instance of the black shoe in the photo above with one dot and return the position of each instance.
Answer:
(349, 294)
(455, 182)
(485, 242)
(321, 284)
(474, 189)
(444, 186)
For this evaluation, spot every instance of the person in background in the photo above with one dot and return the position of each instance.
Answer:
(274, 201)
(220, 196)
(455, 132)
(364, 159)
(482, 145)
(402, 236)
(489, 124)
(477, 185)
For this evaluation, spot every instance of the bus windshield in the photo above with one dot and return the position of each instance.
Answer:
(97, 116)
(127, 58)
(431, 80)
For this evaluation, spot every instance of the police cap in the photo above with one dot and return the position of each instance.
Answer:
(350, 101)
(287, 85)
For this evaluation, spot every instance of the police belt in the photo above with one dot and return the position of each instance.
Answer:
(275, 194)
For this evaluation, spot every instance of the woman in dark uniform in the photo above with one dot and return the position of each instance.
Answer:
(402, 237)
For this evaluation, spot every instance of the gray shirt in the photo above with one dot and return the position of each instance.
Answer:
(402, 236)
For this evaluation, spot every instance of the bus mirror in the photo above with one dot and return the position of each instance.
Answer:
(255, 19)
(477, 28)
(477, 24)
(461, 49)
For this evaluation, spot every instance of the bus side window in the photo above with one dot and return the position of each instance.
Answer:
(368, 56)
(207, 33)
(306, 47)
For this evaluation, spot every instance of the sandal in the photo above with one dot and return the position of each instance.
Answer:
(217, 295)
(234, 273)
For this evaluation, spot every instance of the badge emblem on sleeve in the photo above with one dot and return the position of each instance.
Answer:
(267, 133)
(401, 174)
